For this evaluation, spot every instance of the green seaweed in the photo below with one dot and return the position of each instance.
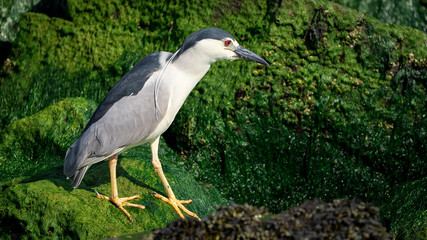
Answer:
(31, 145)
(340, 112)
(37, 201)
(407, 13)
(407, 210)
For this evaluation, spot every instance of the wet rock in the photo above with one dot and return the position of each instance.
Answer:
(340, 219)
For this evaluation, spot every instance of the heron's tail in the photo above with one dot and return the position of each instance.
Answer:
(78, 176)
(75, 156)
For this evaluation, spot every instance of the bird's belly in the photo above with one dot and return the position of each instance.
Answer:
(162, 126)
(159, 130)
(176, 100)
(166, 121)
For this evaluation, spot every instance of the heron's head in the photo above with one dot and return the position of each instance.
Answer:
(213, 44)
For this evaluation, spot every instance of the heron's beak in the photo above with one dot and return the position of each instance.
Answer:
(244, 53)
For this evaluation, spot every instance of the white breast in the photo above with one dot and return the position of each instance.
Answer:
(178, 84)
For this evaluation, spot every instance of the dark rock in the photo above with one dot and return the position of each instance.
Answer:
(341, 219)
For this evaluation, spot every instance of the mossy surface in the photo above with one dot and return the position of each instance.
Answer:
(408, 210)
(49, 208)
(407, 13)
(37, 201)
(36, 143)
(340, 112)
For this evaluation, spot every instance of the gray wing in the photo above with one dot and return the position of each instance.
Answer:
(125, 117)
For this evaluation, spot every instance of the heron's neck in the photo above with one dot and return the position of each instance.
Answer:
(183, 74)
(181, 77)
(186, 72)
(193, 64)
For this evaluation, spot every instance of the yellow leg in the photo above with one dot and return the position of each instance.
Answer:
(171, 199)
(119, 202)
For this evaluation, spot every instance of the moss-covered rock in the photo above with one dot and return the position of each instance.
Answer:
(37, 201)
(49, 208)
(340, 112)
(36, 143)
(411, 14)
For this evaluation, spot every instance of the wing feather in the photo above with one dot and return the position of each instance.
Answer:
(126, 116)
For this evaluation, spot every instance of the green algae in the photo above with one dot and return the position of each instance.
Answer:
(37, 143)
(408, 208)
(340, 112)
(352, 88)
(49, 208)
(41, 203)
(411, 14)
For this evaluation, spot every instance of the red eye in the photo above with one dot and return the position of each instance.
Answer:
(227, 43)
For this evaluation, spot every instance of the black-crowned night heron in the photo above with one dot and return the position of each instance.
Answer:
(143, 104)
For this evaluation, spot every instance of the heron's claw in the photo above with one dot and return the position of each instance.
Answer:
(177, 205)
(120, 202)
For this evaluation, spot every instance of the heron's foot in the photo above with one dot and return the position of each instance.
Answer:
(120, 202)
(177, 205)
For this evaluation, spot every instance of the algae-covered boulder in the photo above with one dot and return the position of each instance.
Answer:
(407, 13)
(340, 112)
(37, 201)
(46, 206)
(38, 142)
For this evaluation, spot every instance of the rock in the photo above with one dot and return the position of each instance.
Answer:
(38, 142)
(10, 15)
(37, 201)
(339, 112)
(341, 219)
